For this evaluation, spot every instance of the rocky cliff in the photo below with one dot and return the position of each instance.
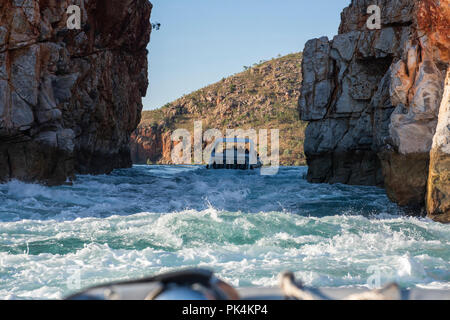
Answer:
(438, 196)
(264, 96)
(69, 99)
(372, 99)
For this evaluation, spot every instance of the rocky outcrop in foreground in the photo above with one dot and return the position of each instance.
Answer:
(372, 99)
(438, 197)
(69, 99)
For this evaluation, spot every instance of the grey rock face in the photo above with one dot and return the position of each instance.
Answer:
(372, 97)
(316, 89)
(337, 98)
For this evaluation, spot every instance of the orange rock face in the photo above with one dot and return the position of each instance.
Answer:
(433, 19)
(148, 145)
(152, 144)
(438, 196)
(69, 99)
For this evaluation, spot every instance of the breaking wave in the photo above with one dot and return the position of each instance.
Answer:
(248, 228)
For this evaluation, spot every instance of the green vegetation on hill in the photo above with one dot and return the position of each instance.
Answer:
(264, 96)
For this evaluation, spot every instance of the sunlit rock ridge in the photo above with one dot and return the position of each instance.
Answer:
(374, 98)
(69, 99)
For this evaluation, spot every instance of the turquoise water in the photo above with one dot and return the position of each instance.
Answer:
(248, 228)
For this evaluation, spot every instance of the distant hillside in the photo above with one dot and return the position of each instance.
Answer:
(264, 96)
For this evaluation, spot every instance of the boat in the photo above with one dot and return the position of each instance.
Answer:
(237, 154)
(202, 284)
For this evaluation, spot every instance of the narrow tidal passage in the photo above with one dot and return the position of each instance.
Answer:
(248, 228)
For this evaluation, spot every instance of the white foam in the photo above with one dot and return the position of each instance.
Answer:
(248, 228)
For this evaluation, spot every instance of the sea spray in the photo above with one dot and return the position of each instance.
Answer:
(248, 228)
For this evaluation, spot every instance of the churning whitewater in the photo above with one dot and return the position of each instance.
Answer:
(247, 227)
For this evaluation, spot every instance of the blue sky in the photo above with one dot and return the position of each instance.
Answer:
(202, 41)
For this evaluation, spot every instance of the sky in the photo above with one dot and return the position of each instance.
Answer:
(202, 41)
